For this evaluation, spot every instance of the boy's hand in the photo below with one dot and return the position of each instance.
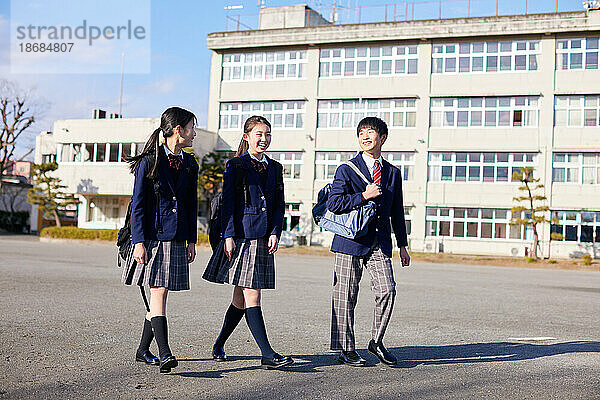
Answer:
(372, 191)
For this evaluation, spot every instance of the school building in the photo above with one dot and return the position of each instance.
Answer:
(89, 153)
(467, 101)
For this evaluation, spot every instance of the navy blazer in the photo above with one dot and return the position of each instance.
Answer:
(346, 195)
(178, 208)
(264, 215)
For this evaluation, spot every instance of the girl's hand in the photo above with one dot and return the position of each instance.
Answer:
(139, 253)
(191, 252)
(404, 257)
(273, 244)
(229, 247)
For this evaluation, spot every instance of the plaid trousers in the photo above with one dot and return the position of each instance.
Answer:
(346, 278)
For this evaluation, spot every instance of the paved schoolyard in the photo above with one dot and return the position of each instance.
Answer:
(69, 329)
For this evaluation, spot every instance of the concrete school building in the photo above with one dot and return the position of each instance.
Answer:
(89, 153)
(467, 101)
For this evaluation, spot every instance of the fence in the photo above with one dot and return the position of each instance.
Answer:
(410, 10)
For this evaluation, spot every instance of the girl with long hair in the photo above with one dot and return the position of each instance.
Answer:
(251, 219)
(163, 225)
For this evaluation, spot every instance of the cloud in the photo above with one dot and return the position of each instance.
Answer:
(161, 86)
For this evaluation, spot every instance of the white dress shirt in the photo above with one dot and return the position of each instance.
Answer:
(264, 158)
(167, 152)
(370, 161)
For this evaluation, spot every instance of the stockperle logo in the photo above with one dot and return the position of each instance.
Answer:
(79, 36)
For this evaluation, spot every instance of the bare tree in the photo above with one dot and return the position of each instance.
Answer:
(17, 114)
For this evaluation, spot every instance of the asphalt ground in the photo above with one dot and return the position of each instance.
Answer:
(69, 330)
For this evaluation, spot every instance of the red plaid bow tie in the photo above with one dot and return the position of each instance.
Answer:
(377, 173)
(175, 161)
(259, 166)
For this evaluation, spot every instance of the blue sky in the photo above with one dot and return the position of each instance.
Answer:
(180, 60)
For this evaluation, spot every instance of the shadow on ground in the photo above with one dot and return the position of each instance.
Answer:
(413, 356)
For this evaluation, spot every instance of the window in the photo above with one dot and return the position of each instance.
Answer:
(258, 66)
(487, 111)
(281, 114)
(397, 113)
(374, 61)
(580, 168)
(477, 167)
(291, 219)
(487, 223)
(577, 226)
(97, 152)
(489, 57)
(581, 53)
(113, 152)
(405, 161)
(48, 158)
(576, 111)
(291, 161)
(106, 209)
(326, 163)
(100, 152)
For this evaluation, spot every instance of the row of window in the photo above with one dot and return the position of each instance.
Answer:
(485, 223)
(450, 58)
(485, 57)
(484, 111)
(97, 152)
(451, 112)
(281, 114)
(372, 61)
(577, 226)
(477, 167)
(326, 162)
(580, 168)
(264, 65)
(397, 113)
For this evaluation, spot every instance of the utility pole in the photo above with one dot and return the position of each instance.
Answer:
(121, 90)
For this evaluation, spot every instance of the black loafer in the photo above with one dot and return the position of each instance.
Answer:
(275, 362)
(218, 354)
(146, 357)
(382, 353)
(351, 358)
(166, 363)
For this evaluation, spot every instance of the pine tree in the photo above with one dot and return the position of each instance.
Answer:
(210, 175)
(534, 209)
(48, 193)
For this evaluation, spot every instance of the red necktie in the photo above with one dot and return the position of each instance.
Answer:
(377, 173)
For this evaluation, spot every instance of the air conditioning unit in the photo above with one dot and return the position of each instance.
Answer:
(518, 251)
(431, 246)
(115, 116)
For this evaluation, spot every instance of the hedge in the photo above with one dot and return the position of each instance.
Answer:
(17, 222)
(71, 232)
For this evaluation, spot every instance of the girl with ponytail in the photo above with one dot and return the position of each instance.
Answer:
(251, 220)
(163, 225)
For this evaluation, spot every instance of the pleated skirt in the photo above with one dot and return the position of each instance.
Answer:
(167, 266)
(251, 265)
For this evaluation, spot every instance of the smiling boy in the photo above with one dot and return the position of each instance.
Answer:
(373, 250)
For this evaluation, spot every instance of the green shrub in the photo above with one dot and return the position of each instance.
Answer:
(202, 238)
(72, 232)
(587, 259)
(530, 259)
(552, 261)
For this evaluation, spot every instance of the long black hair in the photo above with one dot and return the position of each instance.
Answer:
(169, 120)
(248, 126)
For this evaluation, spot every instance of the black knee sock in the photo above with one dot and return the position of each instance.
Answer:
(147, 336)
(255, 321)
(159, 326)
(233, 316)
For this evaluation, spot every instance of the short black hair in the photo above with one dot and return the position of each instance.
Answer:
(377, 124)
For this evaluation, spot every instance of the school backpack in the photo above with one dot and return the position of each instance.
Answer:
(215, 234)
(350, 225)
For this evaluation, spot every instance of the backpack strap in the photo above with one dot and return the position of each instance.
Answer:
(358, 171)
(242, 172)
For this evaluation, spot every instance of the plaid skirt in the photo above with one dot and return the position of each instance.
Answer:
(251, 265)
(167, 266)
